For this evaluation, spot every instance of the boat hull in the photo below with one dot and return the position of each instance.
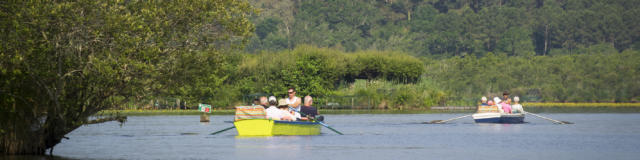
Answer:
(265, 127)
(498, 118)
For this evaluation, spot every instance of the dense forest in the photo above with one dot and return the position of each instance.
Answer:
(445, 28)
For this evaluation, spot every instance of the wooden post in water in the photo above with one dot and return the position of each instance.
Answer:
(204, 117)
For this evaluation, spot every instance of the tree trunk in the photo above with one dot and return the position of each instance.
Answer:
(546, 39)
(25, 141)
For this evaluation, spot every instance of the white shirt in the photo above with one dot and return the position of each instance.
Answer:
(500, 108)
(296, 108)
(273, 113)
(292, 101)
(286, 113)
(517, 108)
(296, 115)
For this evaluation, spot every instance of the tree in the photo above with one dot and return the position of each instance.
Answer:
(63, 61)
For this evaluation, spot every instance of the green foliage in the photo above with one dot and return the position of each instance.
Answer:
(388, 95)
(64, 61)
(318, 71)
(442, 29)
(594, 77)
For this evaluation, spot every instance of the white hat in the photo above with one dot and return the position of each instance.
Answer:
(484, 99)
(272, 99)
(496, 99)
(516, 98)
(282, 102)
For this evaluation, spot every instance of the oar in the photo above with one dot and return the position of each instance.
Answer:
(441, 121)
(552, 120)
(322, 123)
(325, 125)
(220, 131)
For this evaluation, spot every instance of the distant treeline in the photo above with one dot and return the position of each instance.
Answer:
(598, 77)
(393, 80)
(445, 28)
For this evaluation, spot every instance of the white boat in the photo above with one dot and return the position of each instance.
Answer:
(491, 114)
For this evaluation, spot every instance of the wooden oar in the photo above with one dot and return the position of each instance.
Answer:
(220, 131)
(322, 123)
(441, 121)
(325, 125)
(552, 120)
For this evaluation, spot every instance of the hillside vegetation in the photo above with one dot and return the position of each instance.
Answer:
(445, 28)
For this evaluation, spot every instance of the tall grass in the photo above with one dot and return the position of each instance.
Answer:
(394, 95)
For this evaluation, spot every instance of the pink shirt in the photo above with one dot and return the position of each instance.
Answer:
(506, 107)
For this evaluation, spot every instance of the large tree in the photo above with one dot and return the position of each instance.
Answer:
(63, 61)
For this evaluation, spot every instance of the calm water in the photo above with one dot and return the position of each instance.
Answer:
(367, 136)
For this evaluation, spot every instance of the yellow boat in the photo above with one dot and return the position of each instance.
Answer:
(266, 127)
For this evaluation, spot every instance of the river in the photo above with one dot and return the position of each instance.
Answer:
(367, 136)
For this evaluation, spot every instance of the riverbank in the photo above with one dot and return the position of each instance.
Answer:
(553, 104)
(230, 112)
(531, 107)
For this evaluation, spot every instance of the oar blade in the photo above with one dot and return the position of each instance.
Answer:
(433, 122)
(220, 131)
(334, 130)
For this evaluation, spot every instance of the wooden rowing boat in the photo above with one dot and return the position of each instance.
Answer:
(266, 127)
(491, 114)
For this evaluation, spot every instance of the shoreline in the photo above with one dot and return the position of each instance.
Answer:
(579, 104)
(532, 107)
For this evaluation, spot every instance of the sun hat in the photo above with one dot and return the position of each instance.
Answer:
(484, 99)
(272, 99)
(282, 103)
(496, 100)
(516, 99)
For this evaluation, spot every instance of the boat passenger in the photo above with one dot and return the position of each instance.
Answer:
(516, 107)
(490, 103)
(292, 100)
(506, 106)
(496, 101)
(284, 111)
(273, 112)
(264, 102)
(255, 102)
(307, 110)
(505, 97)
(484, 101)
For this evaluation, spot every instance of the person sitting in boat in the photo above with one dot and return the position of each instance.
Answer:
(293, 101)
(496, 102)
(264, 102)
(505, 97)
(490, 103)
(484, 101)
(285, 114)
(273, 112)
(516, 107)
(506, 108)
(255, 102)
(307, 110)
